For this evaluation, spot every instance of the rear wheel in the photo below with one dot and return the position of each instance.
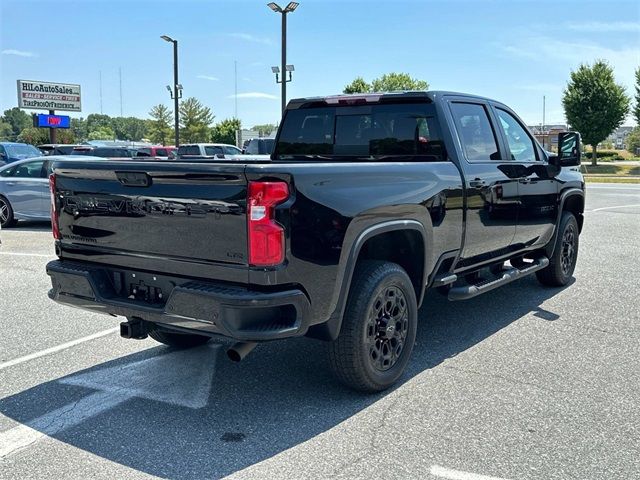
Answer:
(6, 214)
(378, 329)
(178, 340)
(565, 254)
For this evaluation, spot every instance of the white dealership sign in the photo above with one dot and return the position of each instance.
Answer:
(49, 96)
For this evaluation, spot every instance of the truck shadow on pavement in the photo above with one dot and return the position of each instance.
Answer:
(283, 394)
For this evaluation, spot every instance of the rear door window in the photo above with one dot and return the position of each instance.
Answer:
(28, 170)
(212, 150)
(189, 150)
(475, 132)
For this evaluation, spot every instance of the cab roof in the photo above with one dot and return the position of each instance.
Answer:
(377, 97)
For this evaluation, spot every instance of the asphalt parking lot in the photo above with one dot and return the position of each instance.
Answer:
(524, 382)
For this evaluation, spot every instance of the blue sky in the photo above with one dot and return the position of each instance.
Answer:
(513, 51)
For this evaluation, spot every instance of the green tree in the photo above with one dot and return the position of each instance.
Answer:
(79, 129)
(389, 82)
(636, 108)
(359, 85)
(594, 103)
(195, 121)
(101, 133)
(225, 131)
(18, 120)
(34, 136)
(38, 136)
(392, 82)
(97, 121)
(129, 128)
(264, 129)
(633, 140)
(160, 130)
(6, 132)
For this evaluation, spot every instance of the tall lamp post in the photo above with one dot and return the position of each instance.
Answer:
(283, 64)
(176, 91)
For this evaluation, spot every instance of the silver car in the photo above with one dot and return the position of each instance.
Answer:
(24, 189)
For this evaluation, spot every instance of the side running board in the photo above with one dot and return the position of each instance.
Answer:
(508, 275)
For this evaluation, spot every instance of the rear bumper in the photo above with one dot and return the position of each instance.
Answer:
(202, 307)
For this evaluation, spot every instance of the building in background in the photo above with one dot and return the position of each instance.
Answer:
(548, 135)
(619, 137)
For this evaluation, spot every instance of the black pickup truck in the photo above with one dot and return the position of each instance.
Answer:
(366, 202)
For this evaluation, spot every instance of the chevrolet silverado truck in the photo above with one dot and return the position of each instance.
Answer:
(366, 202)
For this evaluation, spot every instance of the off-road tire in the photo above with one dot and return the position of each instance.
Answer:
(565, 254)
(351, 355)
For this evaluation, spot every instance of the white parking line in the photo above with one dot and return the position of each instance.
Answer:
(611, 208)
(60, 419)
(63, 346)
(450, 474)
(20, 254)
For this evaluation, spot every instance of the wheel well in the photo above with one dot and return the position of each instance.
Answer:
(575, 205)
(404, 247)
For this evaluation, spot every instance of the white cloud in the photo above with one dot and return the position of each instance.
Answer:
(247, 37)
(208, 77)
(254, 95)
(19, 53)
(547, 50)
(599, 27)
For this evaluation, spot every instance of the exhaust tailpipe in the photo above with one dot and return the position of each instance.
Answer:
(238, 351)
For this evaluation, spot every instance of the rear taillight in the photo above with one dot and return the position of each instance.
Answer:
(266, 236)
(54, 207)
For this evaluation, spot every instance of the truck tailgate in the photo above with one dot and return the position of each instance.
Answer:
(178, 212)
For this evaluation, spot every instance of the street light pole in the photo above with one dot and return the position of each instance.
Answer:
(176, 91)
(283, 63)
(291, 6)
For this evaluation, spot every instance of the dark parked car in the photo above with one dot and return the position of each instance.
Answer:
(260, 146)
(368, 202)
(105, 152)
(12, 152)
(57, 148)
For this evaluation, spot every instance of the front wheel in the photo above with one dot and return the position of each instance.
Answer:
(565, 254)
(378, 329)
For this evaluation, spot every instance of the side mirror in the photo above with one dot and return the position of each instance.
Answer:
(569, 153)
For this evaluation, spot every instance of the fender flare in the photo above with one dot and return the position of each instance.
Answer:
(331, 328)
(570, 192)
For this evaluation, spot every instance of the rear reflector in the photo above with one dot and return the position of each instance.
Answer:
(55, 228)
(265, 235)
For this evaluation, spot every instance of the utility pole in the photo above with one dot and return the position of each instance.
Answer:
(176, 92)
(100, 80)
(544, 104)
(235, 69)
(120, 75)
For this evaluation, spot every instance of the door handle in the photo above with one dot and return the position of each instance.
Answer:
(524, 180)
(11, 184)
(477, 182)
